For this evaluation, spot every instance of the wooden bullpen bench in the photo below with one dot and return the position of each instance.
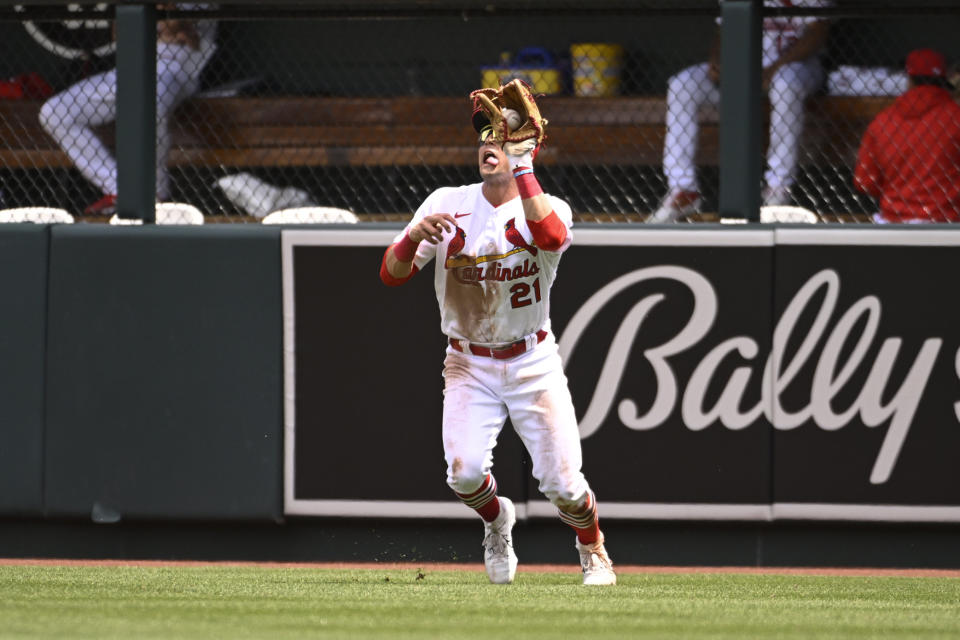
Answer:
(326, 131)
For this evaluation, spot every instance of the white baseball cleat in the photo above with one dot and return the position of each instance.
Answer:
(597, 566)
(498, 555)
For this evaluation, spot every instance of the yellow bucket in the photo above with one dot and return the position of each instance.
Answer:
(533, 65)
(548, 81)
(596, 68)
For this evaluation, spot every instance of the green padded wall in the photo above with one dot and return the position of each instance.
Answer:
(23, 289)
(164, 373)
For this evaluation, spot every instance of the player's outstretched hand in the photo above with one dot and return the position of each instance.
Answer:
(432, 228)
(520, 154)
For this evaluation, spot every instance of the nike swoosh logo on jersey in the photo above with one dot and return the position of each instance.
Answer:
(460, 215)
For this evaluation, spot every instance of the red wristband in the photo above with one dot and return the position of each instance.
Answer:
(406, 249)
(527, 185)
(387, 278)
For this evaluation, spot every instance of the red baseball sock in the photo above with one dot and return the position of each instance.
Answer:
(484, 500)
(584, 520)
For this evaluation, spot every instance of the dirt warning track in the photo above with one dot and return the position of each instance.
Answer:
(524, 568)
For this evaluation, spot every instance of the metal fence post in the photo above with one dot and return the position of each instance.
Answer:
(740, 110)
(136, 111)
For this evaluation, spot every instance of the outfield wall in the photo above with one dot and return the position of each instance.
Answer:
(725, 374)
(145, 381)
(143, 372)
(24, 253)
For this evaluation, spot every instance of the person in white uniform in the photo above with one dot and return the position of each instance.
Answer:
(792, 71)
(184, 47)
(496, 245)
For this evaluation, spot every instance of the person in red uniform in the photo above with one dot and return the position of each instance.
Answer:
(909, 159)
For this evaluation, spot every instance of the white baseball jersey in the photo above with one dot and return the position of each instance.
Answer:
(780, 32)
(493, 284)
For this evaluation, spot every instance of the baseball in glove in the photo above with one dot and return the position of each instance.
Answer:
(488, 105)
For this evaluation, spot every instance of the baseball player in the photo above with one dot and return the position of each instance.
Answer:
(497, 244)
(183, 49)
(791, 72)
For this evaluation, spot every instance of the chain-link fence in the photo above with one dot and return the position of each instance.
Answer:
(360, 111)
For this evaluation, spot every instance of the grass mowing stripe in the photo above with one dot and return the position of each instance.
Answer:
(254, 602)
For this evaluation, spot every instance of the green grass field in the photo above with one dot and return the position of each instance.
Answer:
(254, 602)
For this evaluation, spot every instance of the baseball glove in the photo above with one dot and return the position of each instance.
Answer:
(514, 95)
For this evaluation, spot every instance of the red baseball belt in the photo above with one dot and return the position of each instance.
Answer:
(510, 351)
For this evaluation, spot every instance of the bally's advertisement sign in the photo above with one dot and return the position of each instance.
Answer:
(725, 373)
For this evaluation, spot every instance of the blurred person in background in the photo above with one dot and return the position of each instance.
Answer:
(184, 47)
(792, 71)
(909, 158)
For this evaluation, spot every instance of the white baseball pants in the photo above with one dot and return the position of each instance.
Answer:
(691, 88)
(70, 115)
(531, 389)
